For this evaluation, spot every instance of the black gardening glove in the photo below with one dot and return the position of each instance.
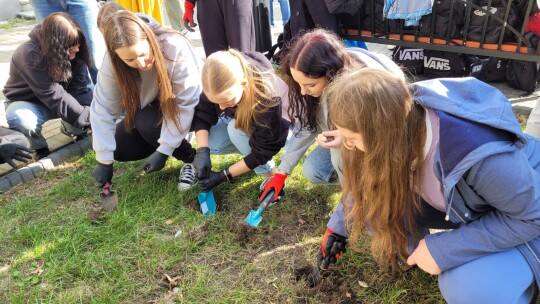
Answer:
(154, 162)
(202, 163)
(103, 173)
(214, 179)
(333, 245)
(11, 151)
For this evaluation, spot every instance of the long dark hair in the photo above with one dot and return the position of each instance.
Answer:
(122, 29)
(60, 32)
(317, 53)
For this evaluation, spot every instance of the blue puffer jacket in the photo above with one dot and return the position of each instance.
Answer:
(490, 172)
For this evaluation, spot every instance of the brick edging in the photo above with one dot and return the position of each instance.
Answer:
(50, 162)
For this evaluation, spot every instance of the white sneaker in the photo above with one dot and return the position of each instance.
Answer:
(187, 178)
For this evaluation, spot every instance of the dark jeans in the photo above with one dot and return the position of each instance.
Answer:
(143, 138)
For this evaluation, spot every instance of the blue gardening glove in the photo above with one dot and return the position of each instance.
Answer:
(11, 151)
(154, 162)
(202, 162)
(214, 179)
(333, 245)
(103, 173)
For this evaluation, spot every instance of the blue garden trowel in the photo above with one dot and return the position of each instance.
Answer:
(207, 203)
(255, 217)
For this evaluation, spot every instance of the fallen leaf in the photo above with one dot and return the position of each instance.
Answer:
(39, 268)
(348, 295)
(363, 284)
(169, 222)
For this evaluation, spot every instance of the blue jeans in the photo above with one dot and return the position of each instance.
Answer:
(28, 118)
(85, 14)
(285, 11)
(318, 167)
(503, 277)
(224, 138)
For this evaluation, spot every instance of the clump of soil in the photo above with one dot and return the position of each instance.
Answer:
(244, 233)
(199, 232)
(96, 213)
(327, 286)
(193, 205)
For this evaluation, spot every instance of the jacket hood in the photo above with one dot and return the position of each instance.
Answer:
(377, 61)
(471, 99)
(35, 34)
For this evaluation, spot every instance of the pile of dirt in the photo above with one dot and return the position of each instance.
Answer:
(328, 287)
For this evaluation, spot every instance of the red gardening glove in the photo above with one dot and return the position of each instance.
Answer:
(277, 182)
(333, 245)
(189, 5)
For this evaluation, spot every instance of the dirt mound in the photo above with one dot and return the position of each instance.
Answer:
(328, 286)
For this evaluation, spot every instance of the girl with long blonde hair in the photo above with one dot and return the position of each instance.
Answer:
(152, 74)
(240, 110)
(432, 154)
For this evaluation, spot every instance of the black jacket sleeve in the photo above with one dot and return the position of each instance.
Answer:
(56, 98)
(206, 115)
(266, 141)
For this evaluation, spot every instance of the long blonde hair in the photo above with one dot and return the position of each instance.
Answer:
(218, 74)
(379, 106)
(124, 29)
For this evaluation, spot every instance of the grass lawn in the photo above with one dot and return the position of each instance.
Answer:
(157, 247)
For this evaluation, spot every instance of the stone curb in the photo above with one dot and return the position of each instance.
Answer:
(50, 162)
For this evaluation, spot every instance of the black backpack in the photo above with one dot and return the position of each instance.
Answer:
(443, 64)
(283, 41)
(522, 75)
(488, 69)
(493, 28)
(410, 60)
(440, 20)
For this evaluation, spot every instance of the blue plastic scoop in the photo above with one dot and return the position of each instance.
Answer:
(207, 203)
(255, 217)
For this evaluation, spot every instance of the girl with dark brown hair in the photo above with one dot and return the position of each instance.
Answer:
(48, 79)
(152, 74)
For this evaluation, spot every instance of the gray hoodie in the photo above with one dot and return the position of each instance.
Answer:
(184, 71)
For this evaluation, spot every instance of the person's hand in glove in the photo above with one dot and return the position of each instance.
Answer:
(154, 162)
(333, 245)
(11, 151)
(214, 179)
(202, 163)
(189, 5)
(103, 173)
(276, 183)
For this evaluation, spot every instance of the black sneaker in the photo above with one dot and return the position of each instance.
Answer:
(187, 177)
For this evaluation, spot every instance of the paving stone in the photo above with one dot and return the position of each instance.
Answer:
(4, 184)
(36, 168)
(26, 173)
(14, 178)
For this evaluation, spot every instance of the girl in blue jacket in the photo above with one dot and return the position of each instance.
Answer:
(430, 154)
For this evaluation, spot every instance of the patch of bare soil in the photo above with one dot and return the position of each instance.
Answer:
(199, 232)
(193, 204)
(244, 233)
(330, 287)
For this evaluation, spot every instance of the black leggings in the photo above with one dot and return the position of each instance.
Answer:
(142, 141)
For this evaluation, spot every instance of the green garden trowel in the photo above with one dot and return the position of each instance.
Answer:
(207, 203)
(255, 217)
